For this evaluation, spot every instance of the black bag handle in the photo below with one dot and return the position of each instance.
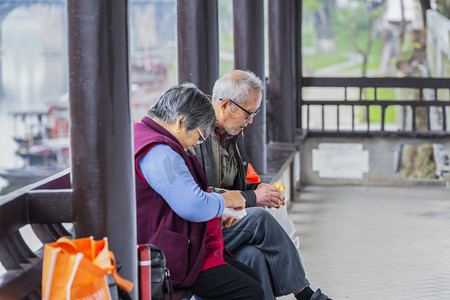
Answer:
(168, 282)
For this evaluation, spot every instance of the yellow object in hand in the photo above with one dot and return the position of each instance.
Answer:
(282, 189)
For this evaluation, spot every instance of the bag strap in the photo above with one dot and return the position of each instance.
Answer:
(122, 282)
(168, 282)
(51, 273)
(71, 246)
(72, 276)
(66, 245)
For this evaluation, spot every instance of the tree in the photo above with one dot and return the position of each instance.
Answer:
(359, 19)
(425, 4)
(443, 6)
(323, 23)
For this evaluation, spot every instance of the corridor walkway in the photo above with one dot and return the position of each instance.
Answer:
(383, 243)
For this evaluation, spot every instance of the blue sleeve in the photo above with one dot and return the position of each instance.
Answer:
(167, 173)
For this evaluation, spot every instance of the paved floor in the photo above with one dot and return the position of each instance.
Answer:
(368, 243)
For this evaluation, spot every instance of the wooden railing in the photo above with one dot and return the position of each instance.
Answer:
(425, 95)
(44, 205)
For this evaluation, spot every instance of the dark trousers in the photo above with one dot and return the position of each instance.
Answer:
(233, 281)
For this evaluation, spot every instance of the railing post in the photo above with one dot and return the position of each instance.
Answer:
(101, 140)
(198, 43)
(248, 19)
(282, 84)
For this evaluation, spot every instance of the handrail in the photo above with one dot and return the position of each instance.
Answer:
(44, 205)
(427, 97)
(378, 82)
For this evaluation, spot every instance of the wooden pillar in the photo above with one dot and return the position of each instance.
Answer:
(248, 20)
(198, 43)
(298, 61)
(101, 142)
(282, 81)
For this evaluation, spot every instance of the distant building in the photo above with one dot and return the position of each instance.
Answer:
(409, 10)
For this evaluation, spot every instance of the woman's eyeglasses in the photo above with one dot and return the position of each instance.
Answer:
(250, 115)
(202, 138)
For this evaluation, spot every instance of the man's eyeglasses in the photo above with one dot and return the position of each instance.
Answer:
(202, 138)
(250, 115)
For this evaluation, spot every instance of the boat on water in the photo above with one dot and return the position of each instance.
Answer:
(29, 126)
(45, 159)
(33, 125)
(43, 143)
(48, 151)
(29, 174)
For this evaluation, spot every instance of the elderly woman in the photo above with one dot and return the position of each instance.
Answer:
(175, 209)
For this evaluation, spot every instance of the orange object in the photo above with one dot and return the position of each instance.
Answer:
(77, 269)
(252, 176)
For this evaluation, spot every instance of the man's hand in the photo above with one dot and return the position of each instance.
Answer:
(234, 199)
(227, 222)
(268, 195)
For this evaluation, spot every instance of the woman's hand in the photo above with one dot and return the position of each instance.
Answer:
(227, 222)
(234, 199)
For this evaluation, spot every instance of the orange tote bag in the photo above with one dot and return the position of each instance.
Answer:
(77, 269)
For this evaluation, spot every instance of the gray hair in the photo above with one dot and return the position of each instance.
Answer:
(186, 100)
(236, 85)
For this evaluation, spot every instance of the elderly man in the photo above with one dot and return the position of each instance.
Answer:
(257, 240)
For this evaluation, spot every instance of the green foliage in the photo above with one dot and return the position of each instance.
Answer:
(320, 60)
(350, 30)
(384, 94)
(312, 4)
(375, 115)
(226, 42)
(226, 12)
(407, 49)
(351, 21)
(308, 34)
(225, 66)
(443, 7)
(374, 55)
(418, 161)
(354, 21)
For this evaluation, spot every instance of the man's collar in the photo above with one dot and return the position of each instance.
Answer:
(222, 136)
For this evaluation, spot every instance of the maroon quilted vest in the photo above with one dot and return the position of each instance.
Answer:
(183, 242)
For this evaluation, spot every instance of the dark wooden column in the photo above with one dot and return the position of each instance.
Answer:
(282, 83)
(101, 141)
(198, 43)
(249, 55)
(298, 60)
